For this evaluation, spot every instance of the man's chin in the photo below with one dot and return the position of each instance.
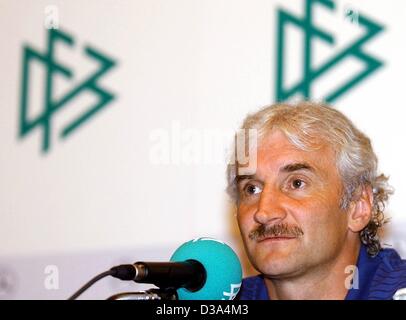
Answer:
(278, 271)
(275, 263)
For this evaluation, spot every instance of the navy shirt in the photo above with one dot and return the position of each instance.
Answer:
(378, 278)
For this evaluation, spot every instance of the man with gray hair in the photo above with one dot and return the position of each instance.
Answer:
(310, 204)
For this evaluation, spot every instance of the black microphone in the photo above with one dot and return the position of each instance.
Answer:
(189, 274)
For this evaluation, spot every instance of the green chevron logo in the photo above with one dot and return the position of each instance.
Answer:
(312, 32)
(51, 106)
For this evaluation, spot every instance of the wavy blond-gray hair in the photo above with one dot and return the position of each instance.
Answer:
(307, 125)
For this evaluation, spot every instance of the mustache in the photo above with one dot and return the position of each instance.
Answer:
(276, 230)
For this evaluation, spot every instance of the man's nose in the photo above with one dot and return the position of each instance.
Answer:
(270, 207)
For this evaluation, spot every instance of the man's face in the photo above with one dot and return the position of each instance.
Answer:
(289, 211)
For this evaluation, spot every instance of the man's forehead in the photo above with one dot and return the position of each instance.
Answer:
(320, 161)
(277, 147)
(276, 139)
(275, 153)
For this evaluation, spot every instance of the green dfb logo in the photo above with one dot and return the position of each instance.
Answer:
(51, 106)
(312, 32)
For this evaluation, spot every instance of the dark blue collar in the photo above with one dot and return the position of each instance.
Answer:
(367, 267)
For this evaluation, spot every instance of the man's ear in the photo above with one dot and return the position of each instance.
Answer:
(360, 212)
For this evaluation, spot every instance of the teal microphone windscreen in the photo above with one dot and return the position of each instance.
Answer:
(223, 269)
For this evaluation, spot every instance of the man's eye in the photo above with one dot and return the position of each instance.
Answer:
(297, 184)
(252, 189)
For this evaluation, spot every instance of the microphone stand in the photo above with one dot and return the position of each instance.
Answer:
(151, 294)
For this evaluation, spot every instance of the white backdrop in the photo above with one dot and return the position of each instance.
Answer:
(147, 173)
